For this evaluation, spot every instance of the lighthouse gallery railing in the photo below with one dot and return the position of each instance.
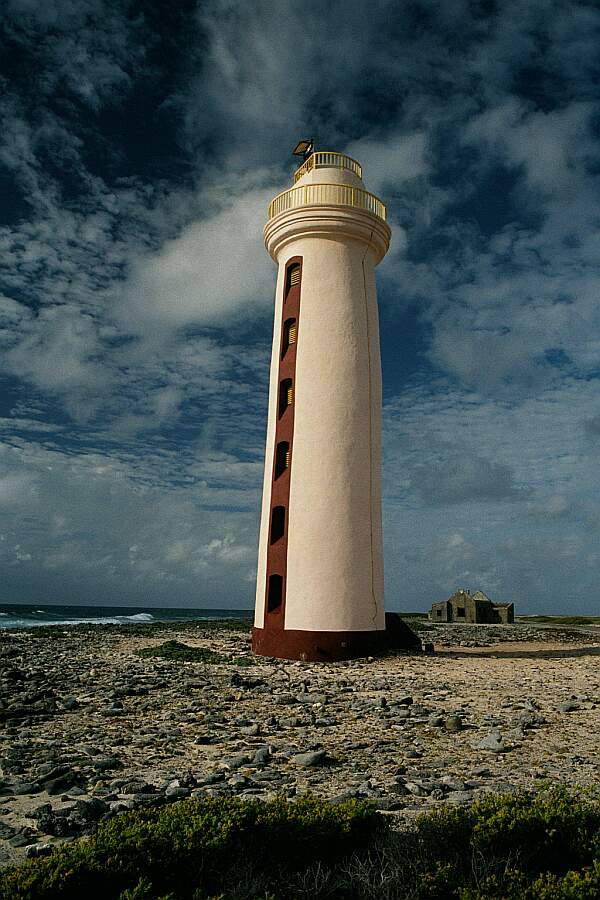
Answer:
(327, 195)
(328, 159)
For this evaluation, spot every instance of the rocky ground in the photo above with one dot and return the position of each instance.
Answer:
(90, 728)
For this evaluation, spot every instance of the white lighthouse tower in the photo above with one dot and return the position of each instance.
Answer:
(320, 563)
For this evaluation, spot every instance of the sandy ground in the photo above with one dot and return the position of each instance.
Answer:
(84, 718)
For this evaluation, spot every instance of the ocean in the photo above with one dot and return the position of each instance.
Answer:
(14, 615)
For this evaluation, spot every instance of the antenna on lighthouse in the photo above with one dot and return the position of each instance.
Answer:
(304, 148)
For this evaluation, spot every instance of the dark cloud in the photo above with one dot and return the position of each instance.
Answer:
(465, 478)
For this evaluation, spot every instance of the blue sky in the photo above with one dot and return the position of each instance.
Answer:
(140, 145)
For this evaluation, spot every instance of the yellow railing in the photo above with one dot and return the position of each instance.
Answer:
(327, 195)
(328, 159)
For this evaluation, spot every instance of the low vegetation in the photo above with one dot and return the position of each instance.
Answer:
(179, 652)
(558, 620)
(515, 847)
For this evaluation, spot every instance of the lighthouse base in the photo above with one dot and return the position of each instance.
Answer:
(330, 646)
(317, 646)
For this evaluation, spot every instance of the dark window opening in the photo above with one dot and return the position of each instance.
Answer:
(290, 332)
(438, 612)
(277, 523)
(286, 395)
(274, 592)
(282, 458)
(460, 612)
(292, 277)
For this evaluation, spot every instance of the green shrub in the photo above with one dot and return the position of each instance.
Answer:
(509, 845)
(175, 650)
(583, 885)
(515, 847)
(552, 833)
(190, 849)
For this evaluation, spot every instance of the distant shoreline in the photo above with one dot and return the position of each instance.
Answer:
(36, 615)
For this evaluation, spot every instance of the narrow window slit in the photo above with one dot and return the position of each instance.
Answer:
(290, 334)
(274, 592)
(292, 277)
(277, 523)
(286, 395)
(282, 458)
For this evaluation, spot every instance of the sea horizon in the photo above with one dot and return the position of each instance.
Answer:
(27, 615)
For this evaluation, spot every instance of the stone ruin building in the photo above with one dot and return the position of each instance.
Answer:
(463, 606)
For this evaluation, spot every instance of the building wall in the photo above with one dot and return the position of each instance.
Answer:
(439, 612)
(463, 607)
(334, 579)
(335, 548)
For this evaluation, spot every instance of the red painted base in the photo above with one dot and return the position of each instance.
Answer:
(317, 646)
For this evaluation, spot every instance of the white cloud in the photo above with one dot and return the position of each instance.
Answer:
(100, 527)
(494, 495)
(391, 160)
(215, 269)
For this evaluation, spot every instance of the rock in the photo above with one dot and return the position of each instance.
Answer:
(251, 730)
(460, 797)
(105, 763)
(516, 734)
(22, 840)
(397, 787)
(312, 758)
(453, 784)
(137, 787)
(60, 785)
(529, 719)
(34, 851)
(569, 706)
(236, 762)
(388, 804)
(238, 782)
(117, 806)
(153, 799)
(312, 698)
(238, 680)
(26, 787)
(114, 710)
(350, 794)
(453, 724)
(6, 831)
(91, 810)
(48, 772)
(492, 742)
(69, 702)
(212, 778)
(41, 810)
(177, 792)
(261, 757)
(416, 789)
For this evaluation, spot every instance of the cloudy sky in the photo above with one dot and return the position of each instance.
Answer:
(140, 143)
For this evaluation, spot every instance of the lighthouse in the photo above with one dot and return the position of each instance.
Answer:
(319, 593)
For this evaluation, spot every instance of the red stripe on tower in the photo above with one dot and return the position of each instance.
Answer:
(281, 464)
